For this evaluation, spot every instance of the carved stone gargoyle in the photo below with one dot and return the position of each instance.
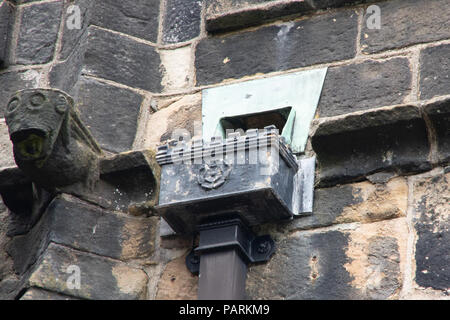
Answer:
(51, 144)
(56, 153)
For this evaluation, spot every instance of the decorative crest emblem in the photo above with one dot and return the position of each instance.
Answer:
(212, 175)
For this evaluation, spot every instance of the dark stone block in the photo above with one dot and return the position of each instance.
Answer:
(383, 254)
(101, 278)
(38, 33)
(225, 15)
(435, 71)
(64, 75)
(2, 206)
(123, 60)
(432, 221)
(40, 294)
(10, 288)
(320, 39)
(182, 20)
(13, 81)
(223, 6)
(323, 4)
(25, 202)
(439, 115)
(329, 203)
(353, 147)
(111, 113)
(381, 177)
(132, 180)
(23, 1)
(6, 18)
(72, 38)
(129, 182)
(84, 227)
(139, 19)
(364, 202)
(365, 85)
(407, 22)
(26, 249)
(69, 221)
(290, 273)
(89, 228)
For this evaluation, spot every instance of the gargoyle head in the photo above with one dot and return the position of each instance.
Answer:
(35, 118)
(51, 144)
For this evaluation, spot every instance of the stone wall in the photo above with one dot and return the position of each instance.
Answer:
(137, 68)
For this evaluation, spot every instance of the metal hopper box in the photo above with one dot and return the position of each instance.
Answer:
(255, 176)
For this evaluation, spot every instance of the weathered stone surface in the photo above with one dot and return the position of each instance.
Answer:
(38, 33)
(121, 59)
(361, 262)
(431, 194)
(72, 35)
(2, 206)
(360, 202)
(406, 22)
(17, 193)
(322, 4)
(365, 85)
(319, 39)
(6, 158)
(111, 113)
(100, 278)
(174, 114)
(176, 282)
(378, 256)
(131, 182)
(6, 15)
(439, 114)
(104, 233)
(139, 19)
(52, 146)
(25, 249)
(73, 223)
(6, 263)
(175, 241)
(13, 81)
(307, 266)
(23, 1)
(387, 139)
(64, 75)
(39, 294)
(177, 68)
(215, 7)
(10, 288)
(435, 71)
(222, 15)
(182, 20)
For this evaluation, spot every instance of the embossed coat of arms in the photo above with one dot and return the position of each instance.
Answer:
(212, 175)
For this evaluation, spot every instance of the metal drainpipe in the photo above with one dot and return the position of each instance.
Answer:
(222, 276)
(193, 194)
(225, 249)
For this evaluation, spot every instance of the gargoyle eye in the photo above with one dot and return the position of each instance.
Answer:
(61, 105)
(37, 99)
(13, 105)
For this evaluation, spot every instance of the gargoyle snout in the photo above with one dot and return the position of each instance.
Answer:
(29, 143)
